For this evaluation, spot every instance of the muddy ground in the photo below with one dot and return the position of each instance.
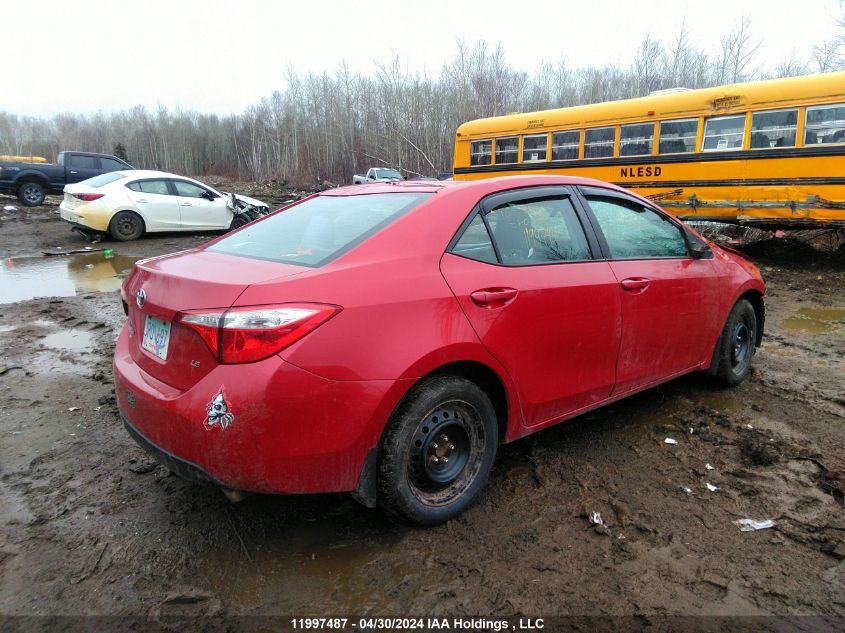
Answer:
(91, 526)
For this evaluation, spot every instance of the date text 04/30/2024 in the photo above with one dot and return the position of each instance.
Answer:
(410, 624)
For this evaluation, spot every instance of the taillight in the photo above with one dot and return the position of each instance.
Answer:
(88, 197)
(245, 335)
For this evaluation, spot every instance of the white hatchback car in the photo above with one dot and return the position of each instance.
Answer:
(127, 204)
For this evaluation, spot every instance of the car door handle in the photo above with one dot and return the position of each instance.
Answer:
(186, 204)
(141, 200)
(493, 297)
(635, 283)
(74, 172)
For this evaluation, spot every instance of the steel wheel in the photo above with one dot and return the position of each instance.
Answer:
(446, 453)
(126, 226)
(740, 344)
(437, 452)
(736, 346)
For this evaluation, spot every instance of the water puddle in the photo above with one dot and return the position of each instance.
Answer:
(72, 340)
(815, 320)
(23, 278)
(725, 401)
(322, 565)
(641, 418)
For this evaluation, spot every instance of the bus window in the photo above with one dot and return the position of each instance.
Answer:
(507, 150)
(598, 142)
(825, 124)
(565, 145)
(636, 140)
(480, 152)
(678, 137)
(534, 147)
(774, 129)
(724, 133)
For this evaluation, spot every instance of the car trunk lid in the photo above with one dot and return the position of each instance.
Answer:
(74, 195)
(159, 289)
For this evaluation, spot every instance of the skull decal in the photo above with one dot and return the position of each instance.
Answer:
(219, 413)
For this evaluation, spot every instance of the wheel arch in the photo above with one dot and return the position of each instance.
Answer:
(129, 210)
(488, 380)
(755, 298)
(30, 176)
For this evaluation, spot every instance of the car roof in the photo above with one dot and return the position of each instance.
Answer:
(485, 186)
(140, 174)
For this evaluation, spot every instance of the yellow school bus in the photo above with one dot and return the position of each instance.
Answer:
(768, 153)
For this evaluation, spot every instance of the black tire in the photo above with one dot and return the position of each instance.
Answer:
(425, 476)
(737, 344)
(239, 220)
(31, 194)
(126, 226)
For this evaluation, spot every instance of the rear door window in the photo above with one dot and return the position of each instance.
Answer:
(318, 230)
(475, 243)
(538, 231)
(150, 186)
(634, 231)
(109, 164)
(82, 162)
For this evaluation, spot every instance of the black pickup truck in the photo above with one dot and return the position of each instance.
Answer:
(30, 182)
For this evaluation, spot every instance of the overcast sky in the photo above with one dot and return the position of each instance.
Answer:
(221, 56)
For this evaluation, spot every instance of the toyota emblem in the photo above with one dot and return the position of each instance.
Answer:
(140, 298)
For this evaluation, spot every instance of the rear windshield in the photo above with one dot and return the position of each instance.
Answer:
(102, 179)
(317, 231)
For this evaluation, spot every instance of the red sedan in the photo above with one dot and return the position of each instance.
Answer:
(384, 339)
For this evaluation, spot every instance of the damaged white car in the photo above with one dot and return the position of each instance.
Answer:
(127, 204)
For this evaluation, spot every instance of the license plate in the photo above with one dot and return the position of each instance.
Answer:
(156, 337)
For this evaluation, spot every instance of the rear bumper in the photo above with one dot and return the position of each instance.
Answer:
(77, 225)
(291, 430)
(85, 217)
(176, 465)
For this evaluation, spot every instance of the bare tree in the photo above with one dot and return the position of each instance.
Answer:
(330, 125)
(736, 57)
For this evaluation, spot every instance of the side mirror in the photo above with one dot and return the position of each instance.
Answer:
(208, 195)
(699, 250)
